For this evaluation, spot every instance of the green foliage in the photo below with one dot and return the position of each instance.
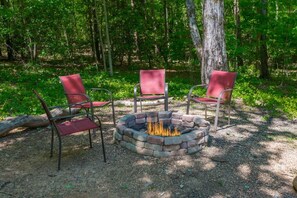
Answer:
(278, 96)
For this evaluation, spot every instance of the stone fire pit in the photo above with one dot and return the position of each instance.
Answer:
(131, 134)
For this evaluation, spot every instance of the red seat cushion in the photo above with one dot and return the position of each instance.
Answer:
(74, 126)
(95, 104)
(207, 100)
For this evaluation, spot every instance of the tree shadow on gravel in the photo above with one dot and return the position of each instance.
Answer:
(245, 160)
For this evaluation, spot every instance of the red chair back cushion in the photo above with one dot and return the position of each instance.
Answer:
(220, 80)
(152, 81)
(73, 84)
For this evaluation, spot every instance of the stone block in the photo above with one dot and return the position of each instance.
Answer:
(121, 129)
(188, 124)
(129, 139)
(171, 147)
(172, 140)
(152, 119)
(165, 121)
(129, 132)
(176, 122)
(118, 136)
(188, 118)
(184, 145)
(154, 147)
(195, 149)
(177, 116)
(127, 118)
(140, 136)
(188, 136)
(164, 114)
(139, 115)
(136, 149)
(131, 123)
(180, 152)
(138, 127)
(163, 154)
(151, 114)
(199, 133)
(203, 140)
(155, 140)
(192, 143)
(144, 151)
(140, 120)
(201, 122)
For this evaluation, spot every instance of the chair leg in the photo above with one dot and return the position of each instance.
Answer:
(229, 114)
(52, 142)
(205, 107)
(135, 105)
(188, 106)
(102, 142)
(166, 104)
(90, 138)
(216, 117)
(113, 115)
(60, 153)
(140, 105)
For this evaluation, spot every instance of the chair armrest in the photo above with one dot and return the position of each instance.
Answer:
(222, 93)
(88, 100)
(166, 90)
(105, 90)
(135, 89)
(194, 87)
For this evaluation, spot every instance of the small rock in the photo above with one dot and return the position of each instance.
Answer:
(181, 186)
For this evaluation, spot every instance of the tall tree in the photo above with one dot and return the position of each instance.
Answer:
(107, 39)
(238, 44)
(213, 54)
(214, 46)
(264, 72)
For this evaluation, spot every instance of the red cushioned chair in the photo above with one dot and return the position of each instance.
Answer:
(77, 98)
(152, 87)
(219, 92)
(66, 125)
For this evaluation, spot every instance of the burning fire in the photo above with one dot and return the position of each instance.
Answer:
(159, 130)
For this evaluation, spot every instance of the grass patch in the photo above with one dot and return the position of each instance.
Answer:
(277, 95)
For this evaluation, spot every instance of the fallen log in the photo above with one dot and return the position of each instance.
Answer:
(31, 121)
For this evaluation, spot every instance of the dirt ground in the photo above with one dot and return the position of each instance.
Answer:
(256, 156)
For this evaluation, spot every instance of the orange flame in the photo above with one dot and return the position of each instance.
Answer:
(158, 129)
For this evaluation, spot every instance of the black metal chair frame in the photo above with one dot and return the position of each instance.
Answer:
(53, 125)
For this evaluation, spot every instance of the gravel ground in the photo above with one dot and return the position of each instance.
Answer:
(256, 156)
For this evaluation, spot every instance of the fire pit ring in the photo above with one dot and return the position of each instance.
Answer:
(131, 134)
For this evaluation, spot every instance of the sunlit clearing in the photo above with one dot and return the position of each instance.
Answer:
(244, 171)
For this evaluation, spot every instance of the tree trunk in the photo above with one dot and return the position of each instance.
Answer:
(264, 72)
(107, 39)
(239, 60)
(214, 47)
(31, 121)
(95, 32)
(194, 28)
(166, 34)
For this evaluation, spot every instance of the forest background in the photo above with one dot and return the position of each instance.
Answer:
(107, 42)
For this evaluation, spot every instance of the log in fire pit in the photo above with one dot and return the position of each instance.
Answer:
(162, 134)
